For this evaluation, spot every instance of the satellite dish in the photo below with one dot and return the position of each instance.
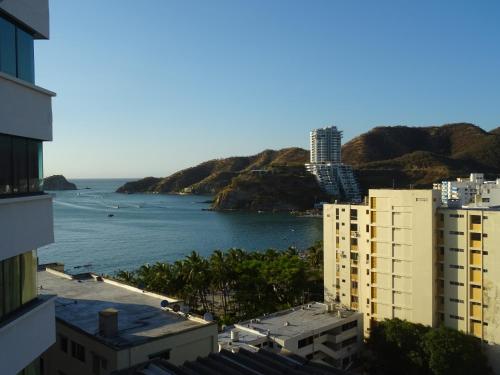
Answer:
(208, 317)
(176, 308)
(164, 303)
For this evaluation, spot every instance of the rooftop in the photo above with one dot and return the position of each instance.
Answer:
(141, 318)
(295, 322)
(262, 362)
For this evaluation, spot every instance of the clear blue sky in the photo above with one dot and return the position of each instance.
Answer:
(148, 87)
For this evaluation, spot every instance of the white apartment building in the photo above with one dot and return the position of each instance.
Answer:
(326, 145)
(474, 191)
(335, 178)
(404, 255)
(316, 331)
(27, 324)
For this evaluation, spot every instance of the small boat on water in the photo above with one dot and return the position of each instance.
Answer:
(111, 215)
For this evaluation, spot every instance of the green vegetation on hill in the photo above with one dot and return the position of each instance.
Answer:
(418, 156)
(236, 284)
(400, 347)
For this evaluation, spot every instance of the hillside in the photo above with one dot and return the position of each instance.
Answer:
(212, 176)
(278, 190)
(401, 156)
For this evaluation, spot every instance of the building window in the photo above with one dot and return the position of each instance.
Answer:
(63, 343)
(456, 317)
(98, 363)
(17, 282)
(165, 354)
(78, 351)
(16, 52)
(20, 165)
(349, 325)
(305, 342)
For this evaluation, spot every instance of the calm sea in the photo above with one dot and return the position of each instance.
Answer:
(150, 228)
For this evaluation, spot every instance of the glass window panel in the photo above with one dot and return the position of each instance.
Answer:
(5, 164)
(33, 166)
(2, 292)
(12, 284)
(20, 165)
(28, 273)
(7, 47)
(25, 56)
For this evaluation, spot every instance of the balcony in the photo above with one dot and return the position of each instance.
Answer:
(25, 109)
(475, 227)
(475, 259)
(27, 334)
(476, 328)
(476, 293)
(475, 244)
(28, 221)
(476, 311)
(475, 276)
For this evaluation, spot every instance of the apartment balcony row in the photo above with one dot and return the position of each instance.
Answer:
(27, 222)
(25, 109)
(26, 334)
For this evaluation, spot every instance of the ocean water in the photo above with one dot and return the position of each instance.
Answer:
(149, 228)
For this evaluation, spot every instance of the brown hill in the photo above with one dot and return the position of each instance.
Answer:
(213, 175)
(401, 156)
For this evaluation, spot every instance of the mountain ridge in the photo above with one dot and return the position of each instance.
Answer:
(384, 157)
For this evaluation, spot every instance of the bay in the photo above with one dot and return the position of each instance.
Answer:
(146, 228)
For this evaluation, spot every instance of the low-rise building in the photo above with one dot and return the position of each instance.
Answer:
(103, 326)
(475, 191)
(316, 331)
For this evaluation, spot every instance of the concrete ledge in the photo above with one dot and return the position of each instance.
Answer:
(25, 109)
(27, 223)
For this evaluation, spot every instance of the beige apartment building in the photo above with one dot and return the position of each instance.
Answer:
(402, 255)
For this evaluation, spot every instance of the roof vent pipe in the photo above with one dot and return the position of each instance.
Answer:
(108, 323)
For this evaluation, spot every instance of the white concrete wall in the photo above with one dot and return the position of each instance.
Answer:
(34, 14)
(25, 109)
(27, 337)
(26, 223)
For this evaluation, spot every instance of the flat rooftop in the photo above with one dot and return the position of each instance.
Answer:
(140, 316)
(283, 325)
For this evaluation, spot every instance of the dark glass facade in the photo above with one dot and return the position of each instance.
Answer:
(16, 51)
(17, 282)
(21, 167)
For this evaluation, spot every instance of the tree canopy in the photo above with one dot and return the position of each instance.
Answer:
(400, 347)
(236, 284)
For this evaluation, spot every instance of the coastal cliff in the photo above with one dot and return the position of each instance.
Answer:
(58, 182)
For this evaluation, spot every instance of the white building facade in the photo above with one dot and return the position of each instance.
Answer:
(335, 178)
(474, 190)
(316, 331)
(27, 323)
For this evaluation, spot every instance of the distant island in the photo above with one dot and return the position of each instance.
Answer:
(58, 182)
(386, 156)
